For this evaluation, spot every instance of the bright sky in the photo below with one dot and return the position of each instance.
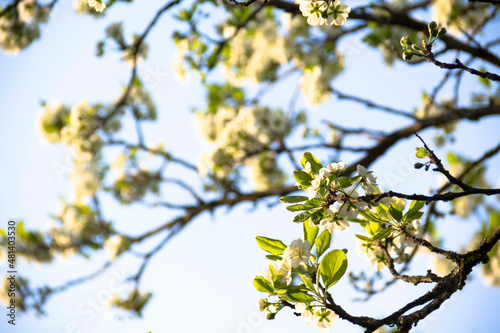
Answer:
(202, 281)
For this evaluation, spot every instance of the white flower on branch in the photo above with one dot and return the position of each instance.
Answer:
(98, 5)
(298, 252)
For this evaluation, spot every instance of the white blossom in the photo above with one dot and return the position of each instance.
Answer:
(334, 226)
(298, 252)
(317, 315)
(346, 212)
(97, 5)
(313, 10)
(284, 271)
(307, 167)
(325, 319)
(263, 303)
(307, 312)
(337, 14)
(373, 253)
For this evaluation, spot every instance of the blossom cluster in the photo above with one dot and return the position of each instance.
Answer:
(296, 260)
(296, 254)
(331, 203)
(324, 12)
(242, 136)
(258, 51)
(134, 301)
(255, 51)
(458, 15)
(78, 226)
(20, 29)
(338, 214)
(397, 244)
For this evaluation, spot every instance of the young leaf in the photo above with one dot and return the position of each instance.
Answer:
(323, 242)
(273, 246)
(383, 212)
(315, 164)
(395, 212)
(414, 216)
(373, 227)
(263, 285)
(297, 207)
(317, 217)
(293, 199)
(363, 238)
(384, 233)
(307, 282)
(310, 233)
(305, 215)
(345, 182)
(421, 152)
(303, 178)
(370, 216)
(415, 206)
(315, 202)
(333, 267)
(300, 296)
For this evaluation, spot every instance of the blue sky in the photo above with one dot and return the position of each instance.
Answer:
(202, 281)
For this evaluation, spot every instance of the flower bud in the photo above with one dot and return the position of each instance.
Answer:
(441, 32)
(418, 165)
(407, 55)
(404, 41)
(432, 28)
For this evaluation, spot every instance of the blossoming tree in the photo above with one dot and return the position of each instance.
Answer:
(264, 148)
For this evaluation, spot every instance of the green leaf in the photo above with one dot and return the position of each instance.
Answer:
(263, 285)
(370, 216)
(383, 212)
(297, 207)
(300, 296)
(414, 216)
(317, 217)
(395, 211)
(273, 258)
(345, 182)
(274, 277)
(293, 199)
(273, 246)
(415, 206)
(329, 47)
(333, 267)
(305, 215)
(315, 164)
(363, 238)
(421, 152)
(315, 202)
(286, 289)
(374, 227)
(484, 81)
(356, 220)
(307, 282)
(384, 233)
(323, 242)
(310, 233)
(413, 212)
(303, 178)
